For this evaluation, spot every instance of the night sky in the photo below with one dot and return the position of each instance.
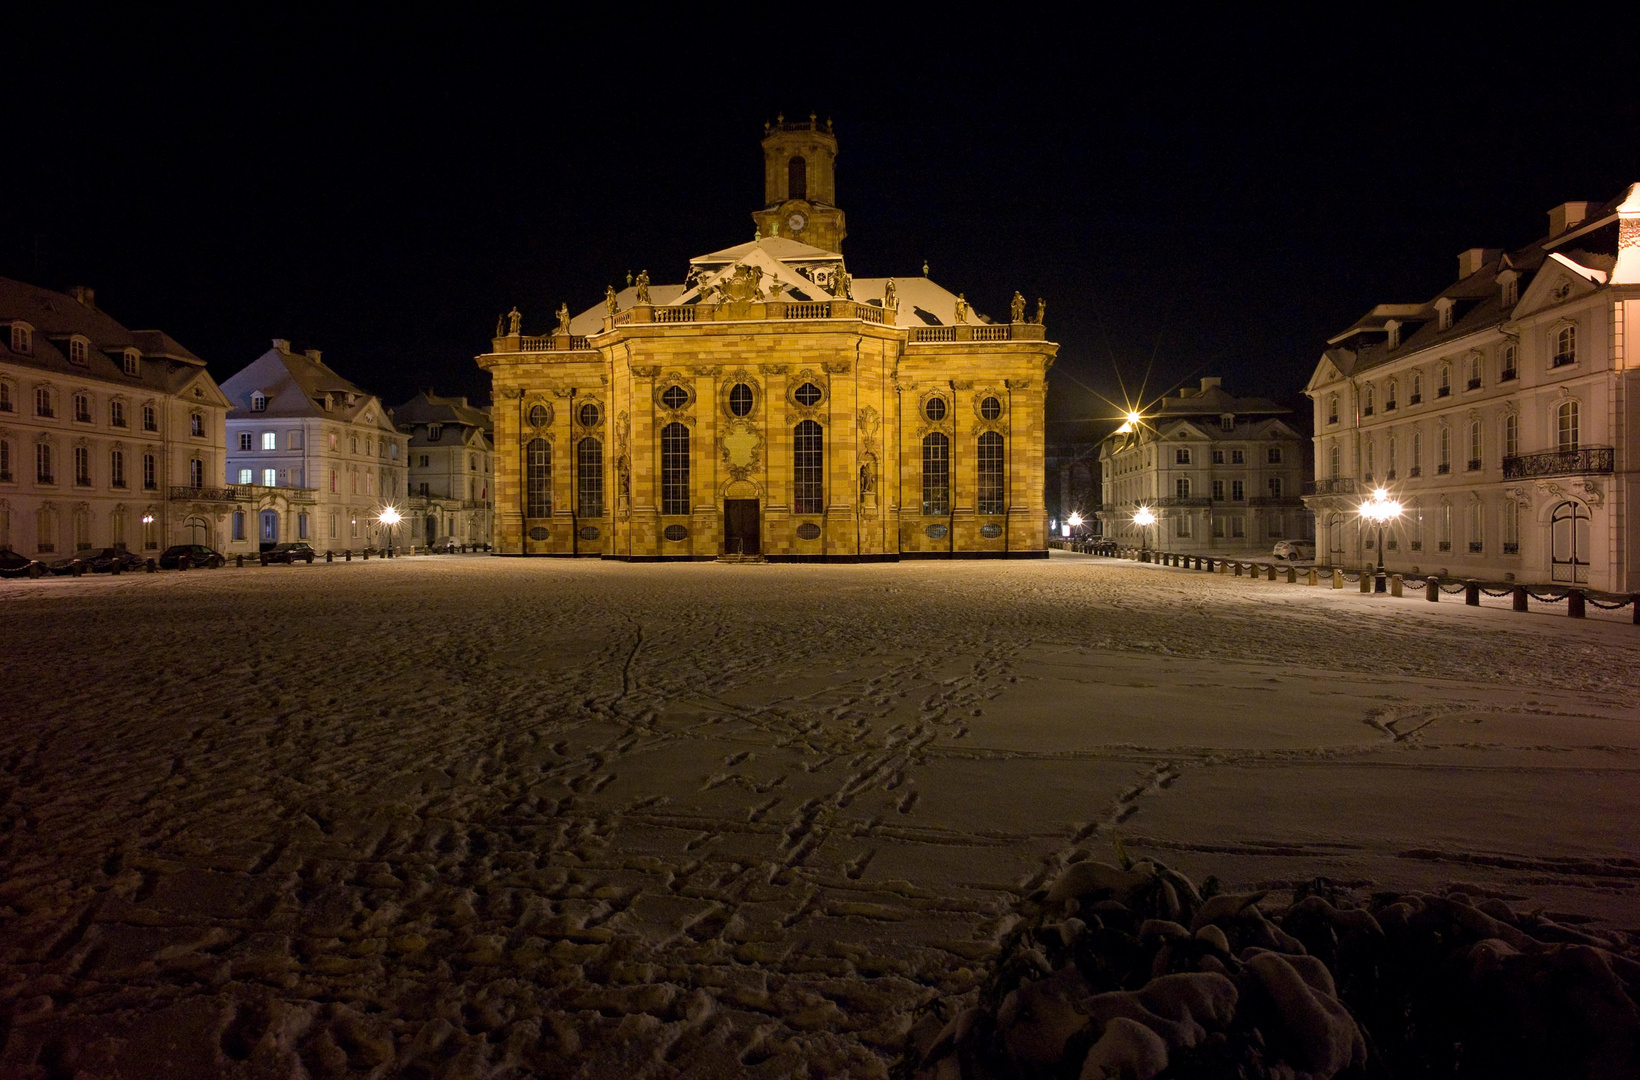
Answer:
(1220, 198)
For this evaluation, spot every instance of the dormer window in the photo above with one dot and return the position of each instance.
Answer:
(1443, 313)
(1227, 423)
(1509, 289)
(22, 338)
(133, 362)
(434, 431)
(259, 402)
(79, 351)
(1393, 329)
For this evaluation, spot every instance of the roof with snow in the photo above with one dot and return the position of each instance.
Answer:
(299, 385)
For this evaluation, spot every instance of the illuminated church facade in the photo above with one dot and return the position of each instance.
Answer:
(771, 405)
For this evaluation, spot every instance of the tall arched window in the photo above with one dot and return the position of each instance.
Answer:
(797, 179)
(936, 474)
(1511, 436)
(589, 477)
(1417, 388)
(1332, 408)
(991, 460)
(538, 479)
(674, 469)
(1474, 445)
(1389, 458)
(1444, 449)
(1390, 390)
(1565, 346)
(1367, 401)
(1372, 464)
(1566, 433)
(1335, 460)
(808, 468)
(1417, 453)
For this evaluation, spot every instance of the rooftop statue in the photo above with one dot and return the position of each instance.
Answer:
(1016, 307)
(609, 299)
(890, 301)
(563, 319)
(1041, 309)
(962, 308)
(643, 287)
(515, 322)
(499, 319)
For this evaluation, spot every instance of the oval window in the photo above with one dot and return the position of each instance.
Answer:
(990, 408)
(675, 533)
(590, 532)
(936, 532)
(990, 532)
(538, 415)
(538, 533)
(808, 394)
(589, 415)
(808, 531)
(674, 397)
(935, 409)
(740, 399)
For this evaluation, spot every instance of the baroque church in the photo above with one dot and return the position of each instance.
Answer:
(772, 405)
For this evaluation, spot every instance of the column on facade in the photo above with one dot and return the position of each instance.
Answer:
(706, 523)
(842, 461)
(777, 461)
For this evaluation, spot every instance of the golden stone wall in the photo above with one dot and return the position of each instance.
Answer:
(875, 384)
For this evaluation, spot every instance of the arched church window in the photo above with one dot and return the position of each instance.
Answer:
(674, 469)
(990, 472)
(808, 468)
(797, 179)
(936, 474)
(740, 399)
(538, 479)
(1566, 426)
(589, 475)
(807, 395)
(674, 397)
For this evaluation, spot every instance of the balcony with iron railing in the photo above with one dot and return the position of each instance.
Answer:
(1583, 461)
(230, 493)
(1275, 500)
(1337, 485)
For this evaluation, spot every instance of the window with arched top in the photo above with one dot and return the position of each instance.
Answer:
(1389, 458)
(589, 477)
(808, 468)
(797, 178)
(1566, 426)
(1565, 346)
(1511, 436)
(1391, 389)
(674, 469)
(936, 474)
(1474, 445)
(1335, 460)
(538, 479)
(1332, 408)
(1367, 400)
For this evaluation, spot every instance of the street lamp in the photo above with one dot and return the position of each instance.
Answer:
(389, 517)
(1380, 510)
(1144, 518)
(1075, 520)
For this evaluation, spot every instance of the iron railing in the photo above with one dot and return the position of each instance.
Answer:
(1582, 461)
(211, 494)
(1337, 485)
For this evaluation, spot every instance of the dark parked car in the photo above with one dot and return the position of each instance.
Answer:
(198, 555)
(98, 561)
(289, 553)
(15, 565)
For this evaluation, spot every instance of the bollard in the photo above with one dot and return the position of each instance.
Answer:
(183, 561)
(1395, 585)
(1472, 593)
(239, 561)
(1432, 589)
(1366, 581)
(151, 566)
(330, 556)
(35, 570)
(1520, 598)
(1270, 572)
(347, 556)
(1315, 578)
(1338, 578)
(116, 566)
(1292, 575)
(1574, 604)
(77, 568)
(264, 557)
(1237, 568)
(366, 554)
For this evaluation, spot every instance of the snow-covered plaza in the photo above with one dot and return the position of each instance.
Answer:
(465, 815)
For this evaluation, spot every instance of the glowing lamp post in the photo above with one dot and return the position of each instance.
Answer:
(390, 518)
(1075, 520)
(1381, 510)
(1144, 518)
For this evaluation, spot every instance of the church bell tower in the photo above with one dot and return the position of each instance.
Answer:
(800, 184)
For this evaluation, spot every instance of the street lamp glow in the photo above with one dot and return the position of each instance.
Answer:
(1133, 418)
(390, 517)
(1381, 510)
(1075, 520)
(1143, 517)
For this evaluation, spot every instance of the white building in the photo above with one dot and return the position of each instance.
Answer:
(1222, 474)
(451, 465)
(108, 437)
(1498, 412)
(321, 457)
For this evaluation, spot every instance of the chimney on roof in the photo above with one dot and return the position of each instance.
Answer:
(86, 296)
(281, 344)
(1566, 215)
(1210, 382)
(1473, 259)
(314, 355)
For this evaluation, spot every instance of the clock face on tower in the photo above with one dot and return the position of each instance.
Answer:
(796, 220)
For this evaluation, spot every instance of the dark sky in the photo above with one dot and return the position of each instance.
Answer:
(1219, 196)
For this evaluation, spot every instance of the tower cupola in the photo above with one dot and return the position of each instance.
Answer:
(800, 184)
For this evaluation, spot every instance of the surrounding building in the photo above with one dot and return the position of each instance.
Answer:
(771, 403)
(451, 463)
(314, 457)
(1499, 413)
(108, 437)
(1072, 467)
(1221, 473)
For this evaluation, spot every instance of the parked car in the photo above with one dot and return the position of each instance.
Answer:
(1294, 550)
(98, 561)
(198, 555)
(15, 565)
(289, 553)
